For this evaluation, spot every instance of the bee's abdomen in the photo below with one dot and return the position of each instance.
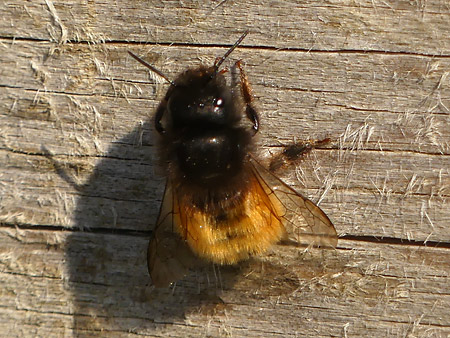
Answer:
(232, 232)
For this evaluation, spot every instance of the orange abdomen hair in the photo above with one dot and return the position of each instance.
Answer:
(232, 232)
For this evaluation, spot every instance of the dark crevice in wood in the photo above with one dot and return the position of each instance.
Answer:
(47, 154)
(136, 233)
(22, 274)
(377, 150)
(395, 241)
(53, 228)
(208, 45)
(269, 146)
(26, 39)
(65, 93)
(276, 49)
(418, 113)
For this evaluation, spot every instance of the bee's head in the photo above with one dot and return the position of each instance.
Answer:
(199, 97)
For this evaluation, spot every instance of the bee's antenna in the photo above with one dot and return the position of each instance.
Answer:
(222, 59)
(153, 69)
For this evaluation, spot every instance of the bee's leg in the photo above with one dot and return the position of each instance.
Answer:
(295, 152)
(252, 114)
(159, 115)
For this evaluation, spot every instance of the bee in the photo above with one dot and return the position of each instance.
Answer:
(220, 204)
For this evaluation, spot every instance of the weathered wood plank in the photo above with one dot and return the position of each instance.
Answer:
(400, 99)
(99, 279)
(397, 26)
(82, 124)
(121, 189)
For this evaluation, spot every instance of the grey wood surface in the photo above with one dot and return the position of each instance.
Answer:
(80, 189)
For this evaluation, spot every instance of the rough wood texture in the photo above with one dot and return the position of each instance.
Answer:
(79, 190)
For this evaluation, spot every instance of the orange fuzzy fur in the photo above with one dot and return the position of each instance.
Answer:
(252, 225)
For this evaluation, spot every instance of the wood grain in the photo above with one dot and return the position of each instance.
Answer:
(80, 187)
(103, 278)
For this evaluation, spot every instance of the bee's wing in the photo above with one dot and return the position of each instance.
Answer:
(304, 221)
(169, 257)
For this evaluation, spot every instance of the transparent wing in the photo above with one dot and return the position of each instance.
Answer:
(305, 222)
(169, 257)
